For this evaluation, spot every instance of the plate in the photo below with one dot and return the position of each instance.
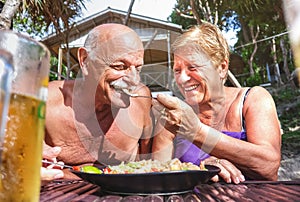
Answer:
(162, 183)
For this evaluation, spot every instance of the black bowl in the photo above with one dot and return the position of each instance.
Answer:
(163, 183)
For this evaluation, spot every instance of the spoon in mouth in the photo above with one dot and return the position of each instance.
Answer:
(135, 95)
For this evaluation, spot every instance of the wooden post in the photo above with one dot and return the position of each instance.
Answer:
(233, 80)
(59, 65)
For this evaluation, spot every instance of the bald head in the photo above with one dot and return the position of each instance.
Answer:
(106, 32)
(112, 52)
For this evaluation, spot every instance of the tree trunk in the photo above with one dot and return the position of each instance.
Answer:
(285, 63)
(254, 37)
(8, 12)
(128, 12)
(277, 71)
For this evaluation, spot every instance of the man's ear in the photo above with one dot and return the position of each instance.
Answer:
(82, 56)
(223, 69)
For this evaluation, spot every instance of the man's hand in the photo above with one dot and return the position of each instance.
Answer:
(50, 172)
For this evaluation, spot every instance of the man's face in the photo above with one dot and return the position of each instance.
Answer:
(122, 59)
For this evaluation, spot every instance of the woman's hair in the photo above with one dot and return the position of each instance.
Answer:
(210, 40)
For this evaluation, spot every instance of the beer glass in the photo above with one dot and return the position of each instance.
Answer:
(6, 73)
(24, 132)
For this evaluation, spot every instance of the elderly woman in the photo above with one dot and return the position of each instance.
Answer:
(236, 129)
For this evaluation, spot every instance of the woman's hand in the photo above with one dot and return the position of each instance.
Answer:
(176, 116)
(229, 173)
(50, 172)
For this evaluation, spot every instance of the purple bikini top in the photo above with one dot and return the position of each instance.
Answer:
(188, 152)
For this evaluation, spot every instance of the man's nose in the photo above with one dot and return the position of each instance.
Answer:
(132, 76)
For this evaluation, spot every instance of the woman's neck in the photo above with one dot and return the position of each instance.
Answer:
(212, 113)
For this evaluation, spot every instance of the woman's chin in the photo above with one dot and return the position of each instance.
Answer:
(193, 100)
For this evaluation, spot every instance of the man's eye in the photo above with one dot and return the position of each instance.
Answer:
(119, 67)
(139, 69)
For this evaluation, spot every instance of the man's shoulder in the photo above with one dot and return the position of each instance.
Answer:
(56, 84)
(59, 91)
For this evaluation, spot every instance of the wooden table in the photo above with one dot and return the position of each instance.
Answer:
(78, 190)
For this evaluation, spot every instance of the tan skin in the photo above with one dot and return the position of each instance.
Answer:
(78, 114)
(256, 158)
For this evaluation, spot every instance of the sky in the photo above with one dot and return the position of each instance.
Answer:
(159, 9)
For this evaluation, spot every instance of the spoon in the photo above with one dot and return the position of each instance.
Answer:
(135, 95)
(57, 164)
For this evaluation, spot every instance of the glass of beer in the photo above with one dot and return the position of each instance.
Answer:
(24, 132)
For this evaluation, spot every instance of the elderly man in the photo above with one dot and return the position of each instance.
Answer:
(93, 119)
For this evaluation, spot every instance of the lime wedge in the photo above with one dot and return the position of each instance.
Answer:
(90, 169)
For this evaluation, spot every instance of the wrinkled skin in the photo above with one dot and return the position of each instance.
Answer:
(91, 118)
(49, 172)
(212, 107)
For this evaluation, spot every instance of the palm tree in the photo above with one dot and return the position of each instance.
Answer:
(55, 12)
(7, 13)
(39, 15)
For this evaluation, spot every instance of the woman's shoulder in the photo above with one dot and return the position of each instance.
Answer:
(259, 99)
(258, 93)
(253, 92)
(246, 97)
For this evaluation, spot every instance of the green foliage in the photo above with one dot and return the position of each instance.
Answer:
(185, 23)
(292, 136)
(287, 101)
(254, 80)
(285, 95)
(54, 69)
(290, 118)
(35, 17)
(243, 16)
(23, 23)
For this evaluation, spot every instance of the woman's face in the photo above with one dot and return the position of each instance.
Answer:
(196, 76)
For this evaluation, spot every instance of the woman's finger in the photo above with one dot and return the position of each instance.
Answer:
(170, 102)
(235, 174)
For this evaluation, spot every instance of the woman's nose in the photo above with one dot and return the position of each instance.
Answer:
(184, 77)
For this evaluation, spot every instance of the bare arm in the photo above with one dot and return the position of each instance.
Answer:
(259, 158)
(162, 148)
(145, 141)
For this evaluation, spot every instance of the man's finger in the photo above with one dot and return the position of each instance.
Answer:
(50, 174)
(51, 152)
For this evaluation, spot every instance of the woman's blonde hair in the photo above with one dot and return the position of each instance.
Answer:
(210, 40)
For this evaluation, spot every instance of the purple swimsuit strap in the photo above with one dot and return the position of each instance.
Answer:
(188, 152)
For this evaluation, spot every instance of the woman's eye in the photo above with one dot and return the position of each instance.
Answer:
(192, 68)
(176, 71)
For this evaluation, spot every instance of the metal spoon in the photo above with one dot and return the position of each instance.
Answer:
(57, 164)
(135, 95)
